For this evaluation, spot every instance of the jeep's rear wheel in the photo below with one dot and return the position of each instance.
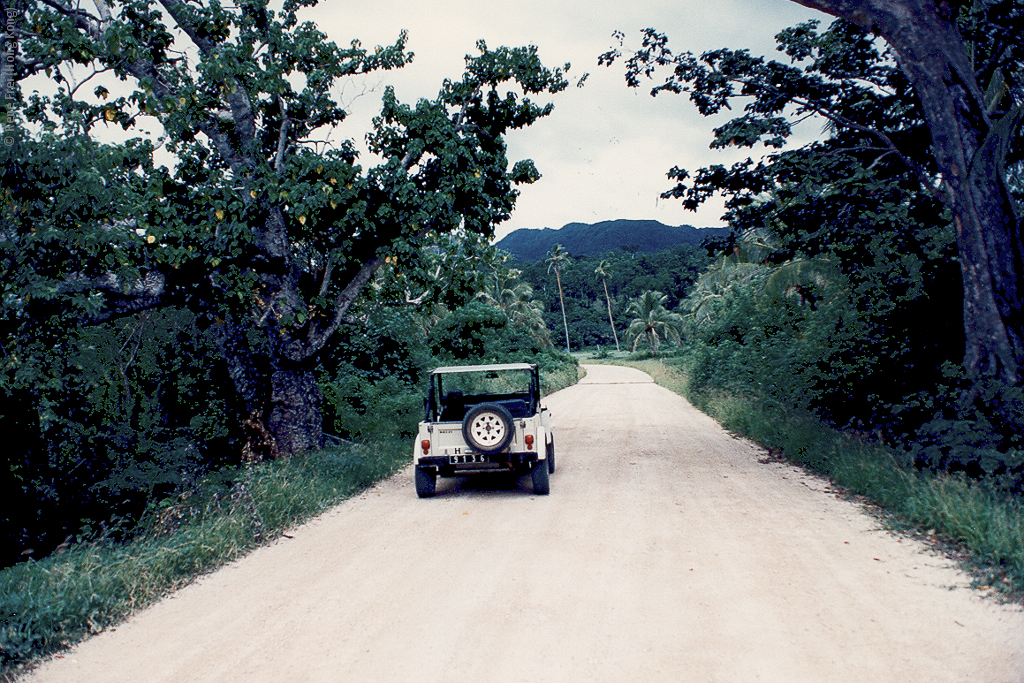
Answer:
(551, 455)
(488, 428)
(541, 482)
(425, 482)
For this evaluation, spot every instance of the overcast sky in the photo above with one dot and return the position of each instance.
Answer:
(605, 150)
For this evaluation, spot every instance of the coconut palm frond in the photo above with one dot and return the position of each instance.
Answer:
(653, 322)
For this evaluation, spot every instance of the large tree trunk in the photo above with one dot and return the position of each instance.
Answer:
(295, 419)
(932, 54)
(281, 395)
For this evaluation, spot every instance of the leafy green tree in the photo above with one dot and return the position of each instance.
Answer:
(883, 109)
(652, 322)
(847, 200)
(603, 271)
(557, 258)
(261, 229)
(447, 270)
(479, 332)
(964, 60)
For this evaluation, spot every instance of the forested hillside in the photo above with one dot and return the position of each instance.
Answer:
(626, 276)
(594, 239)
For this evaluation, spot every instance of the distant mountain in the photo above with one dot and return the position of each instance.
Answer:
(594, 239)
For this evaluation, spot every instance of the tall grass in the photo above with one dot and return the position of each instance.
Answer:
(48, 605)
(985, 527)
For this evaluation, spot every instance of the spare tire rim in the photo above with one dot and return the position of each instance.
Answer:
(487, 429)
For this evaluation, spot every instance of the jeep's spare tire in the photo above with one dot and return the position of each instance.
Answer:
(488, 428)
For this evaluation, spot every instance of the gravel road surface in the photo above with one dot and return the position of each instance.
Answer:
(667, 551)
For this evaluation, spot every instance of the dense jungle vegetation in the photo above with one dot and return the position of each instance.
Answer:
(263, 296)
(851, 288)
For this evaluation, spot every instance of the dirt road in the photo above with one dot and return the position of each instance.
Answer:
(665, 552)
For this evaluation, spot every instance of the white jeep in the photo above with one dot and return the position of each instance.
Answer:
(484, 418)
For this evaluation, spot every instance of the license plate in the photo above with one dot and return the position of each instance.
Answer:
(466, 459)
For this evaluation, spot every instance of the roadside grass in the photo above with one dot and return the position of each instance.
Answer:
(558, 378)
(982, 529)
(51, 604)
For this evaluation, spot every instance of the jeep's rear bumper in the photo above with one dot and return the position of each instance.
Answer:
(452, 465)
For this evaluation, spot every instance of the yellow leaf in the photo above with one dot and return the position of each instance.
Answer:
(252, 193)
(150, 239)
(182, 101)
(302, 220)
(109, 114)
(320, 168)
(334, 204)
(334, 181)
(327, 189)
(219, 213)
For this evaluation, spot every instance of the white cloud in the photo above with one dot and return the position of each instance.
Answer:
(605, 150)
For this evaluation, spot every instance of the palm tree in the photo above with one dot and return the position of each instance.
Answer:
(558, 257)
(603, 271)
(748, 269)
(653, 322)
(506, 291)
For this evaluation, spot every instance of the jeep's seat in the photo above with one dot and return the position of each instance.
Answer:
(453, 407)
(517, 407)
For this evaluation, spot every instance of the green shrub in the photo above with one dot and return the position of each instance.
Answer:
(474, 331)
(365, 410)
(110, 420)
(479, 333)
(976, 427)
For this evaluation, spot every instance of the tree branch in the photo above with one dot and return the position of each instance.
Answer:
(282, 138)
(318, 337)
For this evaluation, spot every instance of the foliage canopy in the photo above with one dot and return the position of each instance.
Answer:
(892, 133)
(260, 229)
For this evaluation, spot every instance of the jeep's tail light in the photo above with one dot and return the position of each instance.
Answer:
(529, 442)
(425, 445)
